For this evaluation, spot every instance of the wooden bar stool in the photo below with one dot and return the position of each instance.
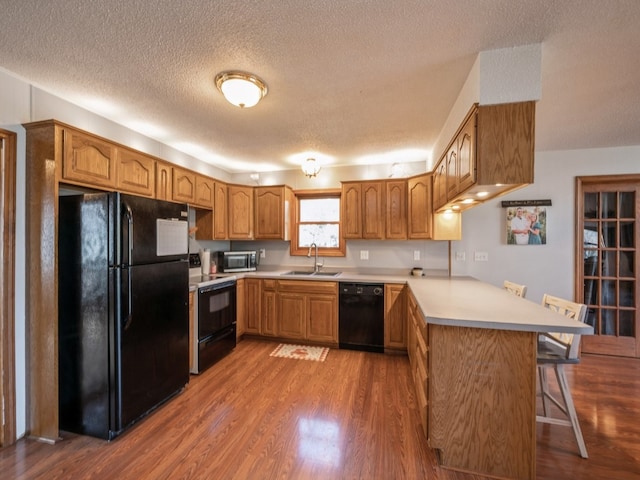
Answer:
(555, 350)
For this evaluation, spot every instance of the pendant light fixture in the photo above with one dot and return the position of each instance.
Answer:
(241, 89)
(310, 167)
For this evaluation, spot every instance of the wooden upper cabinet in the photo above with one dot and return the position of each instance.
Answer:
(466, 167)
(88, 160)
(451, 162)
(240, 210)
(396, 209)
(373, 213)
(204, 192)
(362, 206)
(220, 203)
(440, 185)
(505, 144)
(419, 207)
(184, 185)
(136, 173)
(490, 155)
(351, 210)
(164, 181)
(272, 209)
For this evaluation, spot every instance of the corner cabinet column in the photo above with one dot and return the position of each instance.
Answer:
(43, 148)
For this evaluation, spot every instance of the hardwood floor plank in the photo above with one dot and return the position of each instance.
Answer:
(352, 417)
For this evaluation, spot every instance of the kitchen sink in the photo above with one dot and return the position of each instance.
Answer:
(307, 273)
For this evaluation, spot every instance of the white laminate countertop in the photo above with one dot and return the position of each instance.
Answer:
(467, 302)
(457, 301)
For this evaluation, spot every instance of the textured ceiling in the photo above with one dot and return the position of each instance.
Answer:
(350, 79)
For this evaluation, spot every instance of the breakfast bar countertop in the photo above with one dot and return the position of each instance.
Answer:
(467, 302)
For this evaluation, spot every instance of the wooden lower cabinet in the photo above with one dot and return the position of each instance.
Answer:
(308, 310)
(269, 308)
(417, 348)
(241, 312)
(253, 313)
(292, 313)
(395, 318)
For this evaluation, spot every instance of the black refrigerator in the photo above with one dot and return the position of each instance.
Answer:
(123, 309)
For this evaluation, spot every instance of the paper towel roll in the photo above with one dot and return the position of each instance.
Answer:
(205, 260)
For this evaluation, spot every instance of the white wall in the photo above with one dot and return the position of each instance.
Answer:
(543, 268)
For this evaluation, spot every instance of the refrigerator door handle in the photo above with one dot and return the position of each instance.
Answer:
(129, 214)
(129, 314)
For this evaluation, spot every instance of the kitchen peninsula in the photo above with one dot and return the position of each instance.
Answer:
(481, 376)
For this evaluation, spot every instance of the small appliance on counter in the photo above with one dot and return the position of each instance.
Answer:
(231, 261)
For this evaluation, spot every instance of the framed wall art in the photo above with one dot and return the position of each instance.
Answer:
(526, 221)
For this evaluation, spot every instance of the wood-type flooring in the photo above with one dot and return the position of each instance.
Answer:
(353, 416)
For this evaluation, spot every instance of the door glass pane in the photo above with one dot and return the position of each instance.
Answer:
(627, 263)
(591, 292)
(608, 263)
(609, 234)
(627, 204)
(626, 290)
(590, 205)
(626, 234)
(609, 205)
(608, 293)
(608, 322)
(627, 327)
(591, 319)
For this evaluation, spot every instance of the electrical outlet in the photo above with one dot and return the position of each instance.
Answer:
(364, 254)
(460, 256)
(263, 253)
(481, 257)
(416, 255)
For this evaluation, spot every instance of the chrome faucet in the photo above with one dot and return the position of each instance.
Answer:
(316, 265)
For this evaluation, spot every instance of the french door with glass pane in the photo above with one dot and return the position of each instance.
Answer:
(607, 240)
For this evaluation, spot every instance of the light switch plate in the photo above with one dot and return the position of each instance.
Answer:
(481, 257)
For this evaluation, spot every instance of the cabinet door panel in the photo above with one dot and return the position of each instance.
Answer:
(136, 173)
(395, 318)
(291, 316)
(467, 155)
(164, 181)
(240, 219)
(419, 207)
(269, 213)
(396, 210)
(184, 186)
(204, 192)
(323, 318)
(373, 210)
(351, 207)
(220, 211)
(89, 160)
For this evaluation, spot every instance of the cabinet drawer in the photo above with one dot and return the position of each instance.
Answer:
(269, 284)
(309, 286)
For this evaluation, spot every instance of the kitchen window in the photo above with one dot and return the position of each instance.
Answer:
(317, 220)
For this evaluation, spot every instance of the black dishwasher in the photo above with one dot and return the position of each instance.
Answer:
(361, 316)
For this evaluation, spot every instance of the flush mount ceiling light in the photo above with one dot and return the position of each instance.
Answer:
(242, 89)
(310, 167)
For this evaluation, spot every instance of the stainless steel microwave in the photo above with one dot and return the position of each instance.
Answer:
(245, 261)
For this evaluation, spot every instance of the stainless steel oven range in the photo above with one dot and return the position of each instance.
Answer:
(214, 332)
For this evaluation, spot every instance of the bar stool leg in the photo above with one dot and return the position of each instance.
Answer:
(571, 410)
